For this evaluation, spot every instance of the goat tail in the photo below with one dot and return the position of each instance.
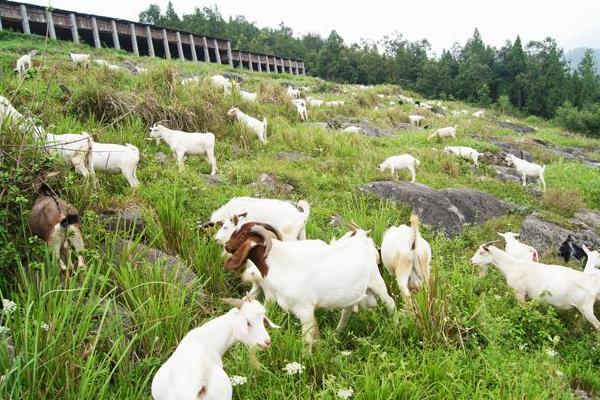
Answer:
(544, 167)
(305, 208)
(132, 147)
(89, 162)
(414, 224)
(265, 125)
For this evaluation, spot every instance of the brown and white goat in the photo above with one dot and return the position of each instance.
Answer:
(57, 223)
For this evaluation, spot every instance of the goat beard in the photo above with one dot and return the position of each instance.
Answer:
(252, 356)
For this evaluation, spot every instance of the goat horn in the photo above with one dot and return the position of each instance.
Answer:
(486, 244)
(261, 231)
(271, 229)
(237, 303)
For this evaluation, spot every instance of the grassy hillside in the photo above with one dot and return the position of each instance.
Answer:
(112, 324)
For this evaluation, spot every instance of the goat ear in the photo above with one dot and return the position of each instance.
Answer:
(237, 303)
(270, 323)
(241, 254)
(584, 247)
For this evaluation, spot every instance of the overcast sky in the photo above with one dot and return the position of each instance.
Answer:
(575, 23)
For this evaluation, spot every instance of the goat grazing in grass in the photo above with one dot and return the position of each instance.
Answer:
(57, 223)
(406, 256)
(449, 131)
(559, 286)
(468, 153)
(256, 126)
(115, 159)
(403, 161)
(304, 275)
(288, 219)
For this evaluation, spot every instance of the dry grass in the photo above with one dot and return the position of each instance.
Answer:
(273, 94)
(564, 201)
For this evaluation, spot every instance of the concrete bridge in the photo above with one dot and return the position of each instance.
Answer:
(137, 38)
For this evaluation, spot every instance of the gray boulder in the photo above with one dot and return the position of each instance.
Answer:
(547, 236)
(130, 219)
(291, 156)
(212, 179)
(140, 254)
(512, 149)
(445, 209)
(270, 184)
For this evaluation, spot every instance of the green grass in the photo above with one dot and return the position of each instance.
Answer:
(112, 324)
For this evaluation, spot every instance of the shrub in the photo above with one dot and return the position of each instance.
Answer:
(586, 120)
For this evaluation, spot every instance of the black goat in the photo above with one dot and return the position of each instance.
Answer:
(570, 249)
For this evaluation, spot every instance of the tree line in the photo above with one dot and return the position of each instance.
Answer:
(533, 78)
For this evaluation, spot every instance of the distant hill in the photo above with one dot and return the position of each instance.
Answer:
(576, 55)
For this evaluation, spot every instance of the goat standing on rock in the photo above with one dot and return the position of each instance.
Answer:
(526, 168)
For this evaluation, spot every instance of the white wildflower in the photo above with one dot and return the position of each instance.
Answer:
(4, 329)
(346, 352)
(45, 326)
(237, 380)
(551, 352)
(345, 393)
(8, 306)
(293, 368)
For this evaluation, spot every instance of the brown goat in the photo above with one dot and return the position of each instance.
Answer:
(247, 243)
(57, 223)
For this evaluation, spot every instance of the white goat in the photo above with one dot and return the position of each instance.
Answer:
(195, 369)
(415, 119)
(517, 249)
(24, 63)
(406, 256)
(80, 59)
(106, 64)
(288, 219)
(464, 152)
(221, 82)
(335, 103)
(190, 81)
(406, 99)
(403, 161)
(258, 127)
(352, 129)
(293, 93)
(116, 158)
(304, 276)
(526, 168)
(593, 262)
(559, 286)
(182, 143)
(248, 96)
(302, 112)
(479, 114)
(10, 116)
(449, 131)
(73, 147)
(297, 102)
(314, 102)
